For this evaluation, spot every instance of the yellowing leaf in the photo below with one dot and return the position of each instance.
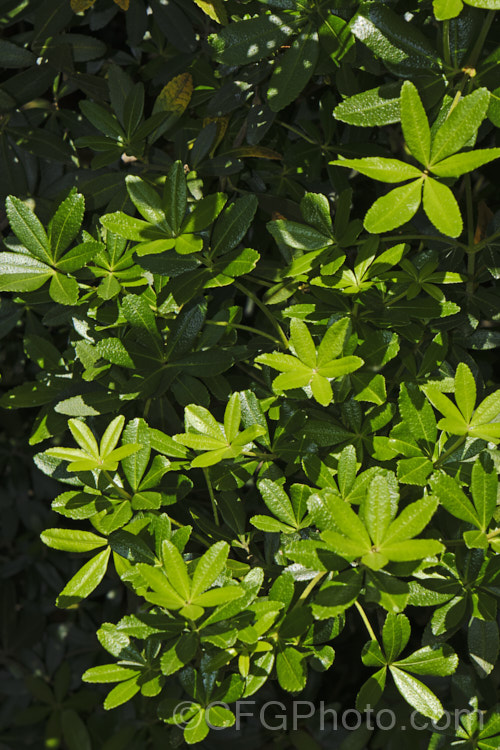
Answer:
(222, 123)
(80, 5)
(123, 4)
(176, 95)
(214, 9)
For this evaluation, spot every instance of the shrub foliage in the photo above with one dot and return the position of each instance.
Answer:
(259, 387)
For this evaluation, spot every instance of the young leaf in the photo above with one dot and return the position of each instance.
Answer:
(460, 125)
(394, 209)
(381, 168)
(85, 581)
(442, 208)
(415, 125)
(27, 227)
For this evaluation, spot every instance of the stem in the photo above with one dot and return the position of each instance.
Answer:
(450, 450)
(476, 51)
(123, 493)
(366, 621)
(300, 601)
(471, 255)
(264, 309)
(430, 237)
(446, 43)
(242, 327)
(206, 472)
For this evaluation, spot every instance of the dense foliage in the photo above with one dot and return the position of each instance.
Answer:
(250, 393)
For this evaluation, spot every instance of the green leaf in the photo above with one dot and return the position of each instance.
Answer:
(204, 213)
(381, 168)
(446, 9)
(414, 470)
(111, 435)
(122, 693)
(176, 569)
(291, 234)
(248, 41)
(72, 540)
(411, 549)
(233, 224)
(415, 125)
(332, 343)
(459, 164)
(411, 521)
(293, 70)
(465, 391)
(232, 417)
(63, 289)
(131, 229)
(175, 196)
(439, 661)
(460, 125)
(417, 694)
(290, 669)
(108, 673)
(377, 509)
(84, 436)
(484, 643)
(394, 209)
(145, 199)
(302, 342)
(85, 581)
(484, 486)
(372, 108)
(27, 228)
(395, 635)
(454, 499)
(277, 501)
(65, 224)
(209, 567)
(417, 413)
(22, 273)
(442, 208)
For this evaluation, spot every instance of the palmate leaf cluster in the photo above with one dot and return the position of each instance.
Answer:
(250, 394)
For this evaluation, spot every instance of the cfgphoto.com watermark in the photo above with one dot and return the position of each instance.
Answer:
(276, 716)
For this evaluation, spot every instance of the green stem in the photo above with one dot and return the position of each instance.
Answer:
(428, 237)
(264, 309)
(206, 472)
(450, 450)
(476, 51)
(123, 493)
(242, 327)
(446, 43)
(300, 601)
(471, 254)
(366, 621)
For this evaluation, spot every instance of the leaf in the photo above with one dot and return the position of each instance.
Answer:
(233, 224)
(417, 694)
(395, 635)
(22, 273)
(232, 417)
(108, 673)
(411, 521)
(145, 199)
(414, 470)
(465, 391)
(277, 501)
(459, 164)
(394, 209)
(484, 486)
(293, 70)
(484, 643)
(209, 567)
(72, 540)
(315, 209)
(65, 224)
(446, 9)
(250, 40)
(377, 509)
(111, 435)
(460, 125)
(84, 436)
(302, 342)
(176, 569)
(411, 549)
(453, 499)
(176, 95)
(134, 465)
(290, 669)
(28, 229)
(440, 661)
(175, 196)
(214, 9)
(381, 168)
(85, 581)
(297, 236)
(442, 208)
(122, 693)
(415, 125)
(375, 107)
(63, 289)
